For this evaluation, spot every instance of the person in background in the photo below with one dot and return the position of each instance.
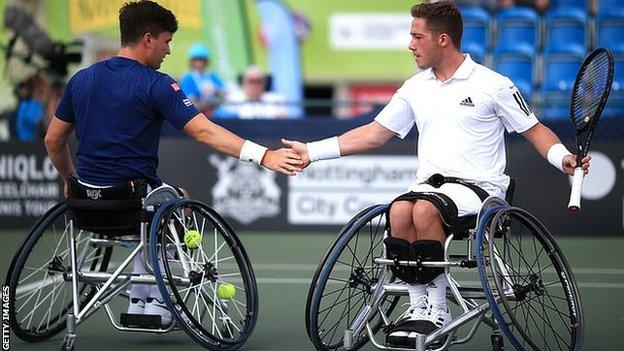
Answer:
(203, 87)
(28, 114)
(253, 100)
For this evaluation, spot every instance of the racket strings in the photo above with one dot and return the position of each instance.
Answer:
(590, 89)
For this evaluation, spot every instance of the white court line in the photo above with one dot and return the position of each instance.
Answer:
(306, 281)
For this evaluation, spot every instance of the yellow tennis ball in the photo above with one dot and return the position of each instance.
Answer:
(226, 291)
(192, 239)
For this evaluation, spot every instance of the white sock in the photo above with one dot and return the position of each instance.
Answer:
(416, 293)
(139, 291)
(436, 292)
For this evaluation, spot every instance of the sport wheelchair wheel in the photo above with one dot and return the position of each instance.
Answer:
(529, 283)
(345, 280)
(39, 277)
(206, 280)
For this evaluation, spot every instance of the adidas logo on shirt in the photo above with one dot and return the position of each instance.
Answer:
(467, 102)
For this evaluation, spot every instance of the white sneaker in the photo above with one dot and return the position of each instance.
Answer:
(136, 306)
(438, 316)
(424, 320)
(155, 307)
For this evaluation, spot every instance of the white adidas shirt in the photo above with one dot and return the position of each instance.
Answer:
(460, 123)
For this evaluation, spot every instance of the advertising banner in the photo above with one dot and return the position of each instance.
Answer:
(29, 184)
(327, 194)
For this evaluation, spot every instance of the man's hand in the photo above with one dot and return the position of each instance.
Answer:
(285, 161)
(301, 149)
(569, 164)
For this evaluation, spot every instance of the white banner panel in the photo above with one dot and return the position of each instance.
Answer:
(366, 31)
(331, 192)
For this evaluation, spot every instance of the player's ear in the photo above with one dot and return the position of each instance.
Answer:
(444, 40)
(148, 39)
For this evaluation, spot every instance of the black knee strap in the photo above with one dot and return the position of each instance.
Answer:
(427, 250)
(446, 207)
(400, 250)
(423, 250)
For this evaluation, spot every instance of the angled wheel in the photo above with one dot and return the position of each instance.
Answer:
(204, 274)
(345, 280)
(529, 284)
(39, 278)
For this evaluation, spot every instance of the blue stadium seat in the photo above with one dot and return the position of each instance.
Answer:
(582, 4)
(615, 105)
(610, 31)
(477, 52)
(559, 74)
(518, 30)
(519, 68)
(566, 31)
(476, 36)
(610, 6)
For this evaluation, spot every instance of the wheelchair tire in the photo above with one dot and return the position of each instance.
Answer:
(40, 291)
(529, 284)
(348, 263)
(215, 318)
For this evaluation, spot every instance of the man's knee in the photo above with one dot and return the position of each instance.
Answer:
(401, 217)
(425, 214)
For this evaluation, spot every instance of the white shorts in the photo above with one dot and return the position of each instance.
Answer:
(467, 202)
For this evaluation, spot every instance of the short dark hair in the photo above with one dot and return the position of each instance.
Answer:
(139, 17)
(441, 17)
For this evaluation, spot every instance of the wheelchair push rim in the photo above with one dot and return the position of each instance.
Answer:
(539, 306)
(345, 280)
(39, 278)
(217, 302)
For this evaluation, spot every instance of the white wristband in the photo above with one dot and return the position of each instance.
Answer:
(555, 155)
(323, 149)
(252, 152)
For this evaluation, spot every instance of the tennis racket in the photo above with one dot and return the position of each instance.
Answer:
(589, 97)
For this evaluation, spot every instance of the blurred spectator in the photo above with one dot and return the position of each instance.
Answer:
(253, 101)
(539, 5)
(29, 114)
(202, 86)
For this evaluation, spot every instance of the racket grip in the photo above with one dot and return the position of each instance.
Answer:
(575, 195)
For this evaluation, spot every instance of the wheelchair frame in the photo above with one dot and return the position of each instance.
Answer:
(465, 297)
(110, 285)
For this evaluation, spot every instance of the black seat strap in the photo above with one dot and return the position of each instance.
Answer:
(437, 180)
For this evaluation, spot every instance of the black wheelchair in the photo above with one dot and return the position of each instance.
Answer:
(525, 291)
(67, 269)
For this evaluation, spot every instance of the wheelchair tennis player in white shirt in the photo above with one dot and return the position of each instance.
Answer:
(461, 110)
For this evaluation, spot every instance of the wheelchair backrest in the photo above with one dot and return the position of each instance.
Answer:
(110, 211)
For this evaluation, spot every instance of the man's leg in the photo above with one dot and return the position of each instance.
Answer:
(138, 292)
(430, 244)
(402, 227)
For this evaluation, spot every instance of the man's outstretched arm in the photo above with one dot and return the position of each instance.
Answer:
(549, 146)
(205, 131)
(366, 137)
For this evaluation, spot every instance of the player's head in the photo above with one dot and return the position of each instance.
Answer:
(149, 25)
(199, 56)
(254, 82)
(436, 27)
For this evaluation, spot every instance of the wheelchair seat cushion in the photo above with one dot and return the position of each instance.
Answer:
(111, 211)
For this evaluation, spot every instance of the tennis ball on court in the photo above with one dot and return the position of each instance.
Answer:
(226, 291)
(192, 239)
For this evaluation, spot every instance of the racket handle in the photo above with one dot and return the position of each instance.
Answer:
(575, 195)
